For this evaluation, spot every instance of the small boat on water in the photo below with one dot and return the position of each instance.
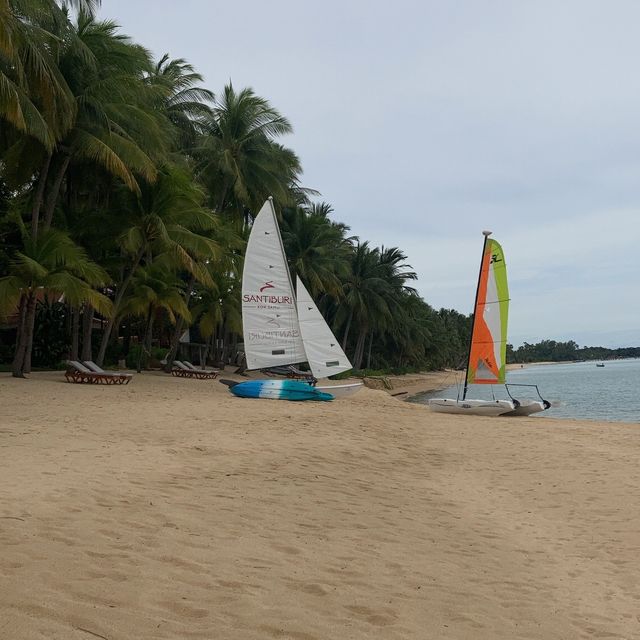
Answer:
(282, 328)
(599, 364)
(486, 363)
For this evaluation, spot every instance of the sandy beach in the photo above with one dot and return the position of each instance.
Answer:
(170, 509)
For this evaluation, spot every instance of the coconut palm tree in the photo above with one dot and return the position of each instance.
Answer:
(238, 158)
(115, 126)
(165, 217)
(317, 249)
(372, 292)
(183, 102)
(218, 299)
(51, 263)
(217, 309)
(34, 98)
(155, 288)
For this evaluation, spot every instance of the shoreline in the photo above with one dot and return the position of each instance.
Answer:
(412, 384)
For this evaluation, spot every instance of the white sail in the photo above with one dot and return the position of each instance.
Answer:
(324, 354)
(269, 316)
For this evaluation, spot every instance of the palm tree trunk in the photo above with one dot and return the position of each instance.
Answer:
(37, 197)
(106, 336)
(54, 190)
(75, 332)
(369, 354)
(208, 348)
(222, 197)
(149, 333)
(17, 368)
(346, 331)
(359, 352)
(22, 364)
(145, 344)
(179, 328)
(31, 321)
(87, 326)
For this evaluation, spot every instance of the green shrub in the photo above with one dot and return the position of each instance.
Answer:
(156, 354)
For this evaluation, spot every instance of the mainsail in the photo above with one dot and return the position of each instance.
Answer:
(487, 355)
(277, 330)
(269, 317)
(324, 354)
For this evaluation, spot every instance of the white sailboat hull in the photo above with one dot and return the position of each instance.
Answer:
(471, 407)
(526, 408)
(339, 391)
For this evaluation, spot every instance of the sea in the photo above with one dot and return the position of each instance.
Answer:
(579, 390)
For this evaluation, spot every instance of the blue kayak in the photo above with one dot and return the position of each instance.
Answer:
(276, 390)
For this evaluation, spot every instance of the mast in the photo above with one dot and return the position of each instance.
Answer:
(284, 253)
(486, 235)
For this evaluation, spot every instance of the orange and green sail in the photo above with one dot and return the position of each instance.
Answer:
(487, 355)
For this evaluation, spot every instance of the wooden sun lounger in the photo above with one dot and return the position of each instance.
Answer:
(181, 370)
(80, 374)
(126, 377)
(200, 369)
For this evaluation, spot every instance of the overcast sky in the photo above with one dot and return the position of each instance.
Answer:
(425, 122)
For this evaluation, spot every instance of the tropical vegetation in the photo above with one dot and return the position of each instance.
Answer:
(127, 192)
(569, 351)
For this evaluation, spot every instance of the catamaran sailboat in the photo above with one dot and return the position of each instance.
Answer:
(486, 363)
(282, 329)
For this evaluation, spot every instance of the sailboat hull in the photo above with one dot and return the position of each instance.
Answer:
(527, 407)
(471, 407)
(339, 391)
(278, 390)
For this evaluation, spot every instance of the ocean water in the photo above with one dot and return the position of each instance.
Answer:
(578, 390)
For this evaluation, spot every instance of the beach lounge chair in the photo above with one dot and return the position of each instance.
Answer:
(79, 373)
(121, 378)
(181, 370)
(194, 368)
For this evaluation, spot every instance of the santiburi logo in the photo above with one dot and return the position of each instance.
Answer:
(265, 298)
(267, 285)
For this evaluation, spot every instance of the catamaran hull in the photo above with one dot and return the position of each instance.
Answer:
(278, 390)
(527, 407)
(342, 390)
(471, 407)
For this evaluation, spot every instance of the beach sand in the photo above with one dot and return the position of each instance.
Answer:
(170, 509)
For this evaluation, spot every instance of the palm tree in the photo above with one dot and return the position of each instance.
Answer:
(34, 98)
(154, 288)
(182, 101)
(317, 248)
(238, 158)
(217, 309)
(166, 217)
(51, 263)
(372, 292)
(112, 124)
(115, 126)
(365, 292)
(218, 299)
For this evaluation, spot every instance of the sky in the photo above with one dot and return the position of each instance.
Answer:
(423, 123)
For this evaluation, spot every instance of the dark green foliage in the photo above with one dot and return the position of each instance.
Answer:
(51, 336)
(552, 351)
(127, 191)
(139, 354)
